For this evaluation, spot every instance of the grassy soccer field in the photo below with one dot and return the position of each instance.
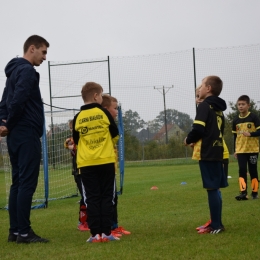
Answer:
(162, 222)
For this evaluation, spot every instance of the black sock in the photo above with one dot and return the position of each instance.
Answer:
(215, 206)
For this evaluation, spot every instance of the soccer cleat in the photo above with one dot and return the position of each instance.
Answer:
(83, 227)
(241, 196)
(254, 195)
(204, 226)
(31, 238)
(210, 230)
(106, 238)
(12, 237)
(121, 230)
(115, 234)
(95, 239)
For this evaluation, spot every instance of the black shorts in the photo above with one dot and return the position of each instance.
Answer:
(212, 174)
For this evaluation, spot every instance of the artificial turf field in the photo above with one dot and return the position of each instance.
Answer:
(162, 221)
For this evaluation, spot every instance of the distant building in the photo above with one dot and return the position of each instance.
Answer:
(145, 135)
(173, 130)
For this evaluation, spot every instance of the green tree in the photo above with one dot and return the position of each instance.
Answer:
(173, 116)
(132, 122)
(153, 126)
(176, 149)
(132, 147)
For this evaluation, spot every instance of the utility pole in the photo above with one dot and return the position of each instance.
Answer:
(165, 118)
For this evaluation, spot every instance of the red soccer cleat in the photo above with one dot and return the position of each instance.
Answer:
(121, 230)
(83, 227)
(115, 234)
(210, 230)
(96, 239)
(204, 226)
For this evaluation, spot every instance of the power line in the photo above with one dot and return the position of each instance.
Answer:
(165, 118)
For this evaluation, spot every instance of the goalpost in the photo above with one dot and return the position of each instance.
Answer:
(121, 150)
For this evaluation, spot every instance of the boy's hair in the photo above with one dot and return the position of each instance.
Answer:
(216, 84)
(35, 40)
(70, 123)
(107, 100)
(89, 89)
(244, 98)
(197, 88)
(113, 99)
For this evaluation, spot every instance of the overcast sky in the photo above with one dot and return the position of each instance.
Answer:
(83, 29)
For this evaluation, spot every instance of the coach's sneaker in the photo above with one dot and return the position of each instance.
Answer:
(94, 239)
(121, 230)
(204, 226)
(254, 195)
(242, 196)
(83, 227)
(12, 237)
(31, 238)
(106, 238)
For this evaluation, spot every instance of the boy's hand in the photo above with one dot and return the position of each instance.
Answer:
(3, 131)
(192, 145)
(246, 134)
(185, 141)
(71, 146)
(235, 155)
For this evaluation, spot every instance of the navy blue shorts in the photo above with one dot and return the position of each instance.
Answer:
(212, 174)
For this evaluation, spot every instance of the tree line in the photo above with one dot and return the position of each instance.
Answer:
(139, 148)
(139, 141)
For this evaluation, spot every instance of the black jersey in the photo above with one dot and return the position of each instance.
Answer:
(249, 123)
(209, 127)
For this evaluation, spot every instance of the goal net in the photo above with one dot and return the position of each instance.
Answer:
(55, 178)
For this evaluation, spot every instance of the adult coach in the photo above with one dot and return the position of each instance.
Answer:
(22, 118)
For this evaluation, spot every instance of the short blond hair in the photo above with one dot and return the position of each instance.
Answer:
(107, 100)
(89, 89)
(197, 88)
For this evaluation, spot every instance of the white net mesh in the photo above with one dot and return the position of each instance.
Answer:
(60, 181)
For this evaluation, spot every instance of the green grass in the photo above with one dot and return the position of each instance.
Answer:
(162, 222)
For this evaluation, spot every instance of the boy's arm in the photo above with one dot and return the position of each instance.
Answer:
(256, 122)
(257, 126)
(235, 138)
(195, 134)
(75, 134)
(234, 132)
(199, 124)
(252, 134)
